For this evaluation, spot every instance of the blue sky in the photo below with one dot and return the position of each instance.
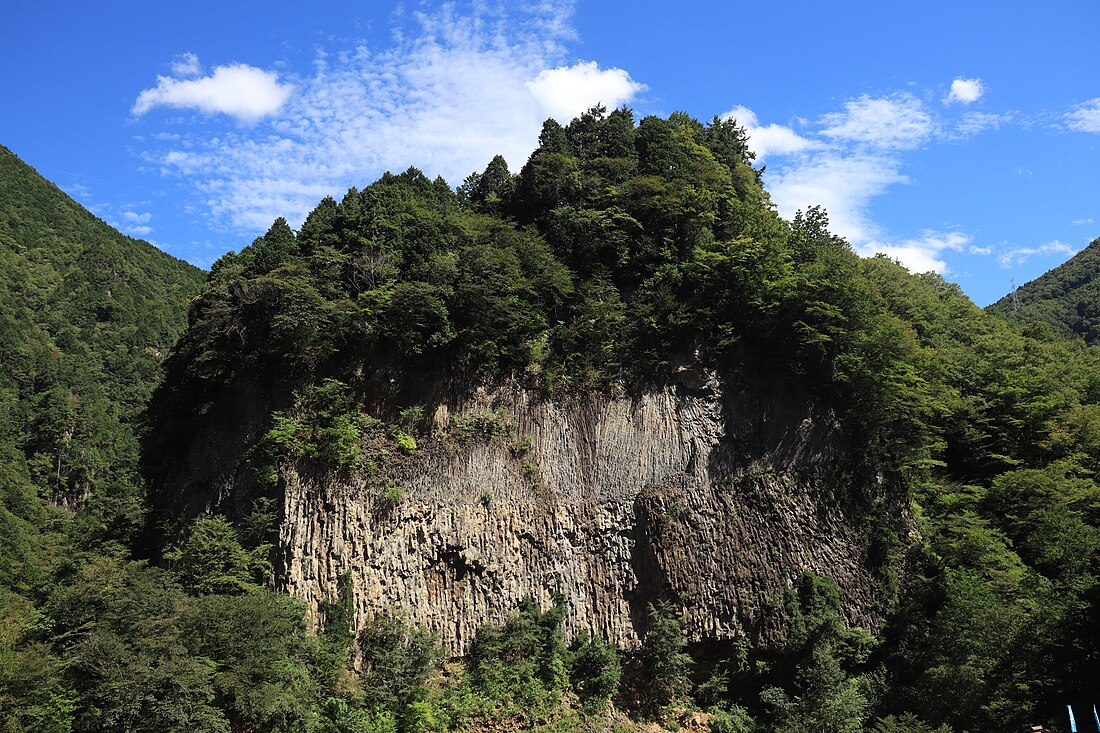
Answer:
(960, 137)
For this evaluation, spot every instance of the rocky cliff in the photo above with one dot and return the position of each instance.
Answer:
(713, 499)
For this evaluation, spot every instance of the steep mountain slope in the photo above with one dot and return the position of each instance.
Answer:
(1067, 298)
(86, 316)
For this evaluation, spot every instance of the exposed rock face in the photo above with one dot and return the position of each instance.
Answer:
(716, 502)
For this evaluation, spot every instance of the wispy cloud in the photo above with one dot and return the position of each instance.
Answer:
(843, 183)
(137, 224)
(1086, 118)
(897, 122)
(451, 92)
(125, 217)
(850, 157)
(1079, 222)
(922, 253)
(1019, 255)
(80, 192)
(133, 217)
(846, 160)
(974, 123)
(241, 91)
(186, 65)
(965, 91)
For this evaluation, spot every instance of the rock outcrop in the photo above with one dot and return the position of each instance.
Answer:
(713, 499)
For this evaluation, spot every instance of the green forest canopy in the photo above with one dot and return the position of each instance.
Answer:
(616, 246)
(1067, 298)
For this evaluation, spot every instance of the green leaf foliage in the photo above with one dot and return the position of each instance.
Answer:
(87, 315)
(210, 559)
(619, 249)
(524, 662)
(665, 663)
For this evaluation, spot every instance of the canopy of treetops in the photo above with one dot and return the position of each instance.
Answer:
(619, 247)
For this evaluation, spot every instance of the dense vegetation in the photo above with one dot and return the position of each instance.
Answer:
(87, 315)
(1067, 298)
(617, 247)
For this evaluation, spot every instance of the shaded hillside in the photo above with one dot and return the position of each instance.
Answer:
(1067, 298)
(86, 316)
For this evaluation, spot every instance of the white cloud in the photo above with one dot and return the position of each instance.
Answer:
(455, 89)
(79, 192)
(965, 91)
(132, 217)
(842, 183)
(1079, 222)
(1086, 118)
(850, 157)
(897, 122)
(187, 65)
(974, 123)
(449, 94)
(125, 218)
(568, 91)
(922, 254)
(914, 259)
(136, 224)
(770, 139)
(1020, 255)
(240, 91)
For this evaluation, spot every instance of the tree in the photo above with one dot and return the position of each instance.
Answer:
(552, 138)
(396, 658)
(665, 664)
(594, 670)
(810, 235)
(905, 723)
(261, 655)
(117, 626)
(488, 191)
(830, 694)
(273, 248)
(211, 559)
(524, 661)
(585, 133)
(318, 229)
(728, 142)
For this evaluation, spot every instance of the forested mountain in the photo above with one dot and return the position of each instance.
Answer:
(1067, 298)
(625, 259)
(87, 316)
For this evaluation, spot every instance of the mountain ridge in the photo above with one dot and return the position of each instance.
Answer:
(87, 316)
(1066, 298)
